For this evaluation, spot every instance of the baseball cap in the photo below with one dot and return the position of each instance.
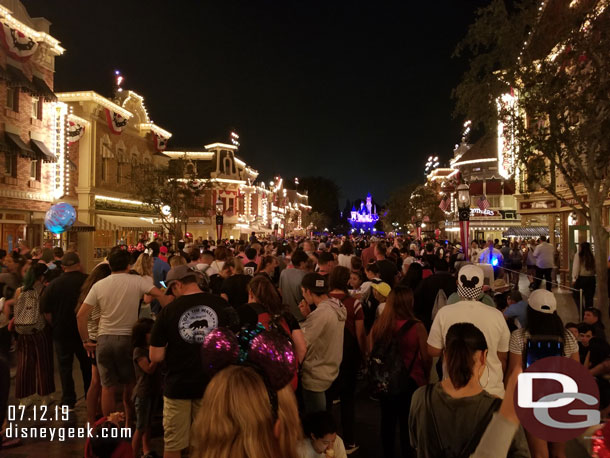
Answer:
(70, 259)
(163, 249)
(543, 301)
(178, 273)
(315, 283)
(382, 288)
(470, 282)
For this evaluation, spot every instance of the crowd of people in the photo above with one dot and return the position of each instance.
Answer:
(177, 331)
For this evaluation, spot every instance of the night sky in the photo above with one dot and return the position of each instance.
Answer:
(358, 92)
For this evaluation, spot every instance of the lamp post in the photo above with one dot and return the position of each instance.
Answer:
(463, 203)
(220, 208)
(419, 216)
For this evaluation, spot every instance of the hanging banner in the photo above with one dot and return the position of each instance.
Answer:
(17, 44)
(75, 132)
(464, 237)
(116, 122)
(160, 142)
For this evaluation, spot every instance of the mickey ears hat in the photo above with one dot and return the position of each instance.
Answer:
(543, 301)
(471, 276)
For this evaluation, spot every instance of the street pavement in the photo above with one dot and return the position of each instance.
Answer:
(367, 412)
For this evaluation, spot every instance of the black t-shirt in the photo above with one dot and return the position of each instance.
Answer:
(248, 316)
(59, 299)
(387, 271)
(235, 287)
(250, 268)
(182, 326)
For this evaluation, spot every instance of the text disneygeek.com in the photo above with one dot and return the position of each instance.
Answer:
(61, 433)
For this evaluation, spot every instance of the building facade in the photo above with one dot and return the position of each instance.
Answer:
(247, 205)
(111, 141)
(34, 171)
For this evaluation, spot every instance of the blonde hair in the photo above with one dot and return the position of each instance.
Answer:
(236, 421)
(144, 265)
(177, 260)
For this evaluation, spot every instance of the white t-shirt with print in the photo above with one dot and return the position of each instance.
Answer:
(490, 322)
(118, 298)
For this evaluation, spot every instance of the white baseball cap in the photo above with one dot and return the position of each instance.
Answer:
(543, 301)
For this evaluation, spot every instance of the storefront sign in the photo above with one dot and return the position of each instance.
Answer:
(538, 204)
(486, 212)
(573, 202)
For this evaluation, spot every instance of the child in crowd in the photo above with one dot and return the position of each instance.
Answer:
(147, 387)
(381, 291)
(321, 439)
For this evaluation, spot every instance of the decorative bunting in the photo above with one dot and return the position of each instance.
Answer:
(17, 44)
(75, 132)
(160, 142)
(116, 122)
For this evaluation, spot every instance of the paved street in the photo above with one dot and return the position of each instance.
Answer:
(367, 413)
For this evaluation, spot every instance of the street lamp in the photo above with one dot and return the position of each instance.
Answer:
(463, 203)
(220, 208)
(419, 216)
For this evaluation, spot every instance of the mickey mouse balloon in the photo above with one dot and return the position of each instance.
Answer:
(60, 218)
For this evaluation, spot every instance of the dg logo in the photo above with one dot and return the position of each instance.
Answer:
(557, 399)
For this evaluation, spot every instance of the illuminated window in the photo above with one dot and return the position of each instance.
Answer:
(35, 167)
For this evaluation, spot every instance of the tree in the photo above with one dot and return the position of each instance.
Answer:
(169, 194)
(555, 63)
(404, 202)
(323, 196)
(318, 221)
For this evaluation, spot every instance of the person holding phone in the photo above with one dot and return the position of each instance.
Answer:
(543, 336)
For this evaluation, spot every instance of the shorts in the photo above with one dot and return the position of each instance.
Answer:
(144, 410)
(92, 359)
(114, 360)
(178, 416)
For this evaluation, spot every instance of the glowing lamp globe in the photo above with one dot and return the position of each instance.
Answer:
(494, 262)
(60, 218)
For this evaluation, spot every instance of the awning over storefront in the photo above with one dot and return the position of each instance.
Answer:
(18, 145)
(130, 223)
(43, 152)
(18, 79)
(81, 227)
(529, 231)
(42, 90)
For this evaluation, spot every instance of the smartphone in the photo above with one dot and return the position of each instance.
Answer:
(163, 284)
(541, 348)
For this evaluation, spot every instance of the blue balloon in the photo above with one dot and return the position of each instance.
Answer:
(60, 218)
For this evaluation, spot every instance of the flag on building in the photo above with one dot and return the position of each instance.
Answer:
(483, 203)
(444, 205)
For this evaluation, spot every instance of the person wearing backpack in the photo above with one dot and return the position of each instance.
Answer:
(265, 306)
(543, 325)
(448, 418)
(399, 363)
(35, 373)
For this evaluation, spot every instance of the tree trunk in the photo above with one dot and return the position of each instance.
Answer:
(600, 240)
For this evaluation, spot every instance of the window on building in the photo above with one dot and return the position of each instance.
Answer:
(37, 107)
(12, 98)
(10, 164)
(104, 168)
(35, 170)
(231, 202)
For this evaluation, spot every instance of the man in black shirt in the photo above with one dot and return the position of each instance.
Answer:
(251, 266)
(58, 303)
(176, 337)
(234, 287)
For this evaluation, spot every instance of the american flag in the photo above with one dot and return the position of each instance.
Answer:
(444, 205)
(483, 203)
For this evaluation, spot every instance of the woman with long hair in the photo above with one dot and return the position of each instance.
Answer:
(263, 298)
(543, 326)
(397, 321)
(144, 268)
(239, 419)
(346, 253)
(583, 275)
(95, 388)
(413, 277)
(35, 374)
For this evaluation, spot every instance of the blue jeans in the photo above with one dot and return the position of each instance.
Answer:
(315, 401)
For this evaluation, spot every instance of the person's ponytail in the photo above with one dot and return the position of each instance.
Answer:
(463, 340)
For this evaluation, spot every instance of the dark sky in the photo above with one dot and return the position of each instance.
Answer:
(355, 91)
